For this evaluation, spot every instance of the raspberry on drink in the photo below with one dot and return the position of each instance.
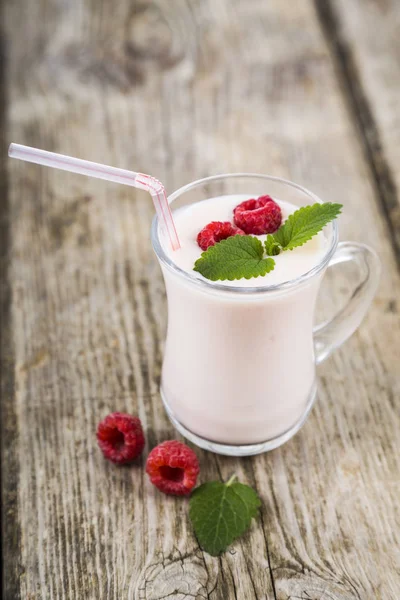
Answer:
(173, 468)
(258, 217)
(120, 437)
(215, 232)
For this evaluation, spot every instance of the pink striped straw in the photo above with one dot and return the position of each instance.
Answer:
(85, 167)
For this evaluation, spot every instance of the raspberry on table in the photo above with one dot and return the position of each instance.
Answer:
(120, 437)
(173, 468)
(216, 231)
(258, 216)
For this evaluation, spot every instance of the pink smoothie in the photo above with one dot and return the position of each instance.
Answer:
(238, 367)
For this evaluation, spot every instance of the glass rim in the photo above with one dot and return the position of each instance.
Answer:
(222, 287)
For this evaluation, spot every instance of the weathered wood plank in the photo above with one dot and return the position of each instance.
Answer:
(9, 466)
(181, 89)
(364, 36)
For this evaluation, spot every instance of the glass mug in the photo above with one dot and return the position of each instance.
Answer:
(238, 375)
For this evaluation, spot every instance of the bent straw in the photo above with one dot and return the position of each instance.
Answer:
(85, 167)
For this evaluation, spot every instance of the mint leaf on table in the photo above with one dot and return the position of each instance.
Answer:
(271, 246)
(237, 257)
(306, 222)
(221, 512)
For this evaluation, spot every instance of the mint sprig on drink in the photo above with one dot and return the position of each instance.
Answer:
(272, 247)
(237, 257)
(242, 257)
(304, 224)
(221, 512)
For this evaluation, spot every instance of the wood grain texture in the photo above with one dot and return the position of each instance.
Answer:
(181, 89)
(9, 471)
(364, 37)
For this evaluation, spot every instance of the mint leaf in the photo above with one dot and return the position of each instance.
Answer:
(221, 512)
(271, 245)
(306, 222)
(234, 258)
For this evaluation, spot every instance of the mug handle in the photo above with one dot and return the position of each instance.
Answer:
(330, 335)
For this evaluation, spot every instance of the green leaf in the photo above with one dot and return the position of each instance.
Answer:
(237, 257)
(221, 512)
(306, 222)
(271, 245)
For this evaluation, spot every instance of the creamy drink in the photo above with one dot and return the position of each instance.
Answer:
(239, 370)
(238, 373)
(189, 220)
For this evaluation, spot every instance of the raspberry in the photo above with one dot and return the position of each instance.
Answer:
(216, 231)
(173, 468)
(120, 437)
(258, 216)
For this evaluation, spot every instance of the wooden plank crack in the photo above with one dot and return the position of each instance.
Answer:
(9, 472)
(363, 117)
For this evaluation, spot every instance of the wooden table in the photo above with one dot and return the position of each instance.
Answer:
(183, 89)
